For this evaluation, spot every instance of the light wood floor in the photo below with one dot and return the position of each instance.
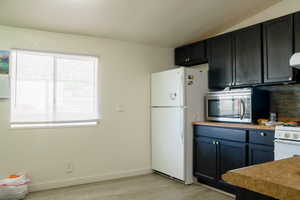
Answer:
(148, 187)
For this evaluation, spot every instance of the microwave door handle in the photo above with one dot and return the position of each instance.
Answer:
(243, 109)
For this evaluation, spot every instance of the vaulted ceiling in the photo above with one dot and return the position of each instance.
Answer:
(166, 23)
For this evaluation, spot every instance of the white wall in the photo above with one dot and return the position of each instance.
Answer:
(118, 146)
(282, 8)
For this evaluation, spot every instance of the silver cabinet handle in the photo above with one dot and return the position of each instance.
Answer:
(263, 134)
(217, 142)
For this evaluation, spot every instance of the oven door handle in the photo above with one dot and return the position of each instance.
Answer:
(286, 142)
(243, 109)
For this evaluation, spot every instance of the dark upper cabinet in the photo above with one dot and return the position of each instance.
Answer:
(255, 55)
(181, 56)
(248, 56)
(205, 157)
(297, 31)
(192, 54)
(278, 48)
(220, 61)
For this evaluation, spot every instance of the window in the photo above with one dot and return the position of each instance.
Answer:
(53, 89)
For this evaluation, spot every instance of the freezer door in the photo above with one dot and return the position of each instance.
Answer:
(167, 88)
(168, 141)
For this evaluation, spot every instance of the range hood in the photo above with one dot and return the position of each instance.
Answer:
(295, 60)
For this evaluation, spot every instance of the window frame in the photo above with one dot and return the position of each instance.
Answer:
(54, 124)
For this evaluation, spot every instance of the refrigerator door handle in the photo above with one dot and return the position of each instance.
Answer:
(181, 128)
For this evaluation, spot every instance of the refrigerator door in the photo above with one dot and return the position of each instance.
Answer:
(168, 141)
(167, 88)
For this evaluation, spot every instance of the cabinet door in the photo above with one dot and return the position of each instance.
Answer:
(260, 154)
(197, 53)
(278, 48)
(220, 61)
(205, 158)
(248, 55)
(181, 56)
(297, 31)
(192, 54)
(232, 155)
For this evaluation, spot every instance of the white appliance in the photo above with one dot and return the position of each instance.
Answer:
(177, 99)
(295, 60)
(287, 142)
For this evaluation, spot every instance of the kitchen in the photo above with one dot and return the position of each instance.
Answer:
(114, 100)
(247, 143)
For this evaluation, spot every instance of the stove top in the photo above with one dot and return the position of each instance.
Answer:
(287, 132)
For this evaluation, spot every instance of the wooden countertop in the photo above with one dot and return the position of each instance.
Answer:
(278, 179)
(236, 125)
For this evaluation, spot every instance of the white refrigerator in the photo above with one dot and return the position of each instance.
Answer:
(177, 99)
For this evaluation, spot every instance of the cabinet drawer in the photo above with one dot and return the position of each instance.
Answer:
(261, 137)
(221, 133)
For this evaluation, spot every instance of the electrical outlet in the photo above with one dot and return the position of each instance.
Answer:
(69, 167)
(120, 108)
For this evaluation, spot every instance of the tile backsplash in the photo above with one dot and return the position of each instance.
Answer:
(285, 100)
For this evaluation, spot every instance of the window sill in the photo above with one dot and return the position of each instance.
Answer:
(52, 125)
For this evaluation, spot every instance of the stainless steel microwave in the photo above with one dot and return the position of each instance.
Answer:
(237, 105)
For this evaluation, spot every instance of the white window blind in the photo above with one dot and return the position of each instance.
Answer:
(53, 88)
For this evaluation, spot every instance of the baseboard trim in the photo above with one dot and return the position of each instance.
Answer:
(84, 180)
(212, 188)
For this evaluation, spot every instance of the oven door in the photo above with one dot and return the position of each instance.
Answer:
(286, 149)
(229, 108)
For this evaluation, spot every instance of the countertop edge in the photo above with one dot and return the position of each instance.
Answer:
(235, 125)
(250, 183)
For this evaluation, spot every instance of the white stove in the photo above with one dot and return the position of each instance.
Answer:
(287, 142)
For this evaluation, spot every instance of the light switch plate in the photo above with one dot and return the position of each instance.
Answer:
(120, 108)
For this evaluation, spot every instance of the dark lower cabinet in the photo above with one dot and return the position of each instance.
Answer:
(213, 157)
(232, 155)
(278, 48)
(260, 154)
(205, 156)
(218, 150)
